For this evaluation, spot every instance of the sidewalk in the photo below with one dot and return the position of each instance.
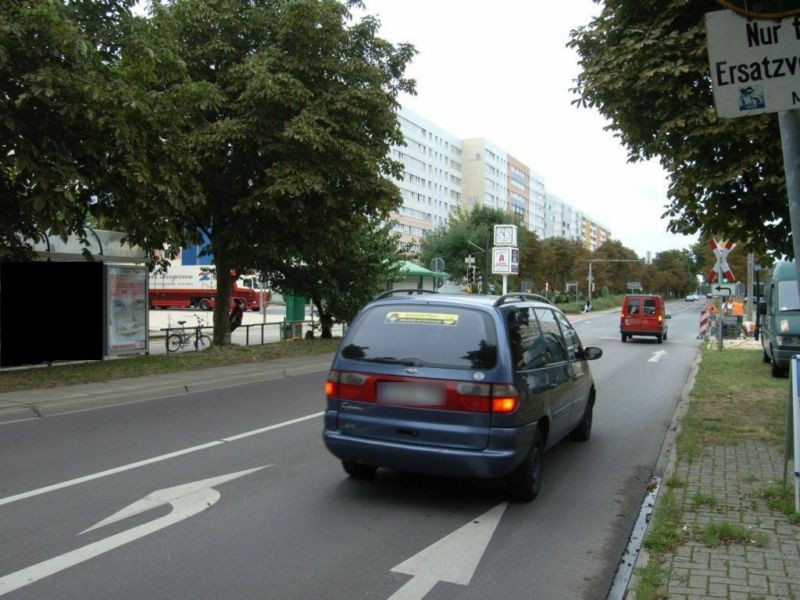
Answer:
(768, 565)
(54, 401)
(725, 486)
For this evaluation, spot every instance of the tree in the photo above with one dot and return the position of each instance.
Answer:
(671, 273)
(614, 276)
(562, 261)
(283, 115)
(339, 283)
(65, 130)
(645, 68)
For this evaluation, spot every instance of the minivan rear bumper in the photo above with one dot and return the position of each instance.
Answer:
(506, 450)
(650, 332)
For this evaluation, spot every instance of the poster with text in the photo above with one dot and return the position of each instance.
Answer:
(126, 301)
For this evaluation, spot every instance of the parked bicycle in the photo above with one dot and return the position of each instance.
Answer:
(177, 340)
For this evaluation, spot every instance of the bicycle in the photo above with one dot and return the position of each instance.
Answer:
(176, 341)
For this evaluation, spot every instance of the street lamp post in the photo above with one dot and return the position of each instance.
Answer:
(594, 260)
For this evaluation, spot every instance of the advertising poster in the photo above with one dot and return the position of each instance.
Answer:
(126, 301)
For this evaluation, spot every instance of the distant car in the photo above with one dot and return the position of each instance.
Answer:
(643, 314)
(465, 386)
(691, 298)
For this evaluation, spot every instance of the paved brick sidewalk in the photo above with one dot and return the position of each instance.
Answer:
(735, 477)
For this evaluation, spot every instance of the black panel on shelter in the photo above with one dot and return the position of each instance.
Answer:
(50, 311)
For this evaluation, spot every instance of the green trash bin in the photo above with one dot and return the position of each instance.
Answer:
(295, 308)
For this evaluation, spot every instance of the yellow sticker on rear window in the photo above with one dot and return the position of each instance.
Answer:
(418, 317)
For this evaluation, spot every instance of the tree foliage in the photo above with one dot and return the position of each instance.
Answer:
(283, 114)
(341, 279)
(645, 68)
(65, 117)
(561, 261)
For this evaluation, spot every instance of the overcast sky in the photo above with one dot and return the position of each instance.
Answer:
(500, 69)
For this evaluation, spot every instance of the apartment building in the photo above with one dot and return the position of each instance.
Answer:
(443, 172)
(594, 235)
(431, 185)
(485, 175)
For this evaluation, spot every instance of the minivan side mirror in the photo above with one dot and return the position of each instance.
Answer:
(762, 307)
(592, 353)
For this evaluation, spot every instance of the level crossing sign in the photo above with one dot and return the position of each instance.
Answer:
(721, 251)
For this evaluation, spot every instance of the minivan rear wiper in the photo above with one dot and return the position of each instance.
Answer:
(391, 360)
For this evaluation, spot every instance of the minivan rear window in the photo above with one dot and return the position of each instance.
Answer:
(424, 336)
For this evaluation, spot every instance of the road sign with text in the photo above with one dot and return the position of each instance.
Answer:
(755, 64)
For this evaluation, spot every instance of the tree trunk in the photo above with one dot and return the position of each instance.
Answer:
(325, 320)
(222, 334)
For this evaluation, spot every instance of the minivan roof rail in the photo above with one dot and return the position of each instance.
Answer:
(407, 291)
(520, 296)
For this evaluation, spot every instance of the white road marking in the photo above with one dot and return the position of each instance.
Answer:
(186, 500)
(453, 558)
(150, 461)
(657, 356)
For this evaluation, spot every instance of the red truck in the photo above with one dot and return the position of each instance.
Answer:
(196, 287)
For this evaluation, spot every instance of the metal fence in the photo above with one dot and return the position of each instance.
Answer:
(255, 334)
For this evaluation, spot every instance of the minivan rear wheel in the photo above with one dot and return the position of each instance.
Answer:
(524, 481)
(357, 470)
(778, 371)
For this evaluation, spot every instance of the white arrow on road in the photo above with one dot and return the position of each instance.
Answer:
(657, 356)
(454, 558)
(186, 500)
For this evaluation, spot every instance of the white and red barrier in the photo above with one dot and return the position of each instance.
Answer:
(704, 319)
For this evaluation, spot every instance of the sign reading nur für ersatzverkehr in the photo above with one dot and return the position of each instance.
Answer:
(755, 64)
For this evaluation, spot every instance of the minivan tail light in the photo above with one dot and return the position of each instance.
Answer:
(473, 397)
(347, 385)
(505, 398)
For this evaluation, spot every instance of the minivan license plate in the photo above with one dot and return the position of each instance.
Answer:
(409, 394)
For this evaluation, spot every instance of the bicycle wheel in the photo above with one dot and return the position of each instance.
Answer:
(174, 342)
(202, 342)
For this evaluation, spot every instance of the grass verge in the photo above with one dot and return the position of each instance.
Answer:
(136, 366)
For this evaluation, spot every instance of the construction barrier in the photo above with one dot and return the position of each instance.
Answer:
(704, 318)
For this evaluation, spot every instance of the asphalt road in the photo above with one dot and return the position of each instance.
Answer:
(274, 516)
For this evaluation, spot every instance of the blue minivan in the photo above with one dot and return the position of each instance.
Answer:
(458, 385)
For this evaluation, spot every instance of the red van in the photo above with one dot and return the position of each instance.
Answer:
(643, 315)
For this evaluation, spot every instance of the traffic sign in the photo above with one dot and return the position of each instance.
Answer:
(721, 251)
(504, 260)
(724, 289)
(753, 64)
